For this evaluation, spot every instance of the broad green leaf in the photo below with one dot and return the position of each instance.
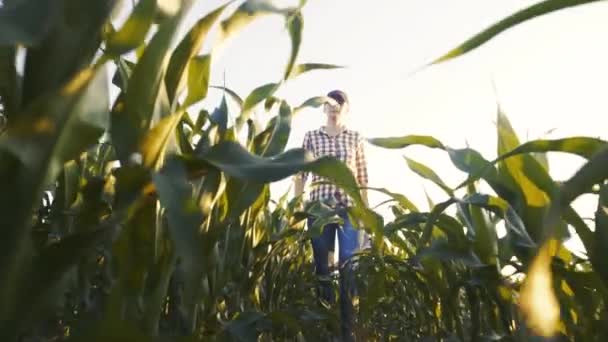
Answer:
(300, 69)
(154, 143)
(249, 11)
(68, 48)
(257, 96)
(187, 49)
(314, 102)
(295, 23)
(408, 140)
(432, 219)
(236, 161)
(50, 266)
(513, 222)
(220, 116)
(280, 135)
(427, 173)
(131, 123)
(185, 218)
(133, 33)
(527, 176)
(198, 79)
(525, 14)
(446, 251)
(33, 150)
(591, 173)
(401, 199)
(27, 22)
(486, 239)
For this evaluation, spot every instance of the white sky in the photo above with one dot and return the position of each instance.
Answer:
(550, 73)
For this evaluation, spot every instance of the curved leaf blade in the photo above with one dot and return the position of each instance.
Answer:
(528, 13)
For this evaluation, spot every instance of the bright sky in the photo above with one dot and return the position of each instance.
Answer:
(549, 73)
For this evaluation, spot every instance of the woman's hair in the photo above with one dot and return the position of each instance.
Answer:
(339, 96)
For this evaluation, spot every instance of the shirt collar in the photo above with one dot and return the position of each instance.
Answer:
(323, 130)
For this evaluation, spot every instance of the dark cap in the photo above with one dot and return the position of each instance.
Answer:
(339, 96)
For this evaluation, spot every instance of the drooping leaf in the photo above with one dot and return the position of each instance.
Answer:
(33, 150)
(295, 23)
(154, 143)
(257, 96)
(130, 124)
(198, 79)
(427, 173)
(68, 48)
(405, 141)
(525, 14)
(133, 33)
(300, 69)
(280, 135)
(188, 48)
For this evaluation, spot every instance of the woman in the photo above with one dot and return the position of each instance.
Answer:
(335, 139)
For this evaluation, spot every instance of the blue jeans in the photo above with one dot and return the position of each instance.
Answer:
(348, 239)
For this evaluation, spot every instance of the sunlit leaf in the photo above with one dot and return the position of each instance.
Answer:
(427, 173)
(133, 33)
(188, 48)
(537, 299)
(405, 141)
(300, 69)
(525, 14)
(198, 79)
(130, 124)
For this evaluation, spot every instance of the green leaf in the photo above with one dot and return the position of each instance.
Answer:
(514, 224)
(133, 33)
(524, 174)
(33, 151)
(245, 15)
(51, 266)
(528, 13)
(185, 217)
(257, 96)
(131, 123)
(295, 23)
(186, 50)
(408, 140)
(198, 79)
(300, 69)
(477, 167)
(68, 48)
(220, 116)
(236, 161)
(401, 199)
(280, 135)
(427, 173)
(155, 142)
(27, 22)
(314, 102)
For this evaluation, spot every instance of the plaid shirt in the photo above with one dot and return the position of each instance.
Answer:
(347, 147)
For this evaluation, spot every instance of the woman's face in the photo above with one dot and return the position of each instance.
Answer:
(335, 112)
